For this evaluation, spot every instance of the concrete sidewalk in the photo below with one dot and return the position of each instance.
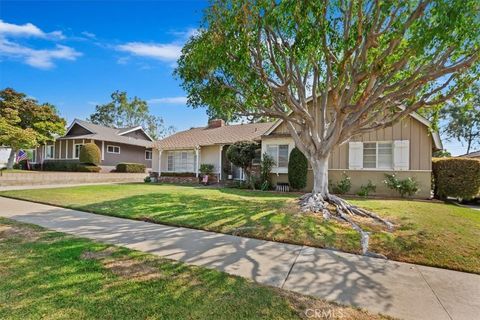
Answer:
(398, 289)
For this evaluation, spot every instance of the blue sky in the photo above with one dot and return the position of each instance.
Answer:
(75, 54)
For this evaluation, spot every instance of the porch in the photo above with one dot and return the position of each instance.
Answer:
(186, 163)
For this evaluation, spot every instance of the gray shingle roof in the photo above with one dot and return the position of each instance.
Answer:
(205, 136)
(107, 134)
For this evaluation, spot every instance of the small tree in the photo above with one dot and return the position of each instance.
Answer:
(265, 169)
(241, 154)
(24, 123)
(297, 169)
(90, 154)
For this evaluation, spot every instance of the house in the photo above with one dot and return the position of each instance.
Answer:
(4, 155)
(474, 155)
(116, 145)
(404, 149)
(184, 152)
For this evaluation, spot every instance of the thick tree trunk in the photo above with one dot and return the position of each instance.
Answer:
(11, 159)
(333, 207)
(320, 176)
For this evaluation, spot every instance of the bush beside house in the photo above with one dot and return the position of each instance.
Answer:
(130, 167)
(90, 154)
(297, 170)
(456, 177)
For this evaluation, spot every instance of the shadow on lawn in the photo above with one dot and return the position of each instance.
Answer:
(264, 262)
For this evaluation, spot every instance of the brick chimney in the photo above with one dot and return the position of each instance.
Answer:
(216, 123)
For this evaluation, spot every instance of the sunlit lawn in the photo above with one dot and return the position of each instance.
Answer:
(49, 275)
(426, 232)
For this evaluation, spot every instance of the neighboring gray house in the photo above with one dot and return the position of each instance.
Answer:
(132, 145)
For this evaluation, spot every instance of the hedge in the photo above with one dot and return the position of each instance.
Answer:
(456, 177)
(90, 154)
(130, 167)
(297, 170)
(69, 166)
(178, 174)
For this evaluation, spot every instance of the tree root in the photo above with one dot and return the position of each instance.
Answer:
(314, 202)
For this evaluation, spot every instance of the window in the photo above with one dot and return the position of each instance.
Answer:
(49, 152)
(181, 161)
(258, 157)
(279, 153)
(148, 155)
(78, 147)
(377, 155)
(113, 149)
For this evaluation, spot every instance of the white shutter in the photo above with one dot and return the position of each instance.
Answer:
(355, 155)
(401, 155)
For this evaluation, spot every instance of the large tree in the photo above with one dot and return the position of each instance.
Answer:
(123, 112)
(25, 124)
(462, 118)
(330, 69)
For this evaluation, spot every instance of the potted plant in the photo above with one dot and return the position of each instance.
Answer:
(206, 170)
(227, 170)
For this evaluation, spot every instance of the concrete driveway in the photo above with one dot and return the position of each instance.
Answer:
(401, 290)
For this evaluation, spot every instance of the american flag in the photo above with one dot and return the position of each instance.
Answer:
(22, 155)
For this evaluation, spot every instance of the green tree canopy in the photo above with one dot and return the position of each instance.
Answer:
(24, 123)
(462, 118)
(123, 112)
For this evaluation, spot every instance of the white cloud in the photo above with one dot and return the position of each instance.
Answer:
(27, 30)
(168, 100)
(186, 34)
(38, 58)
(159, 51)
(89, 35)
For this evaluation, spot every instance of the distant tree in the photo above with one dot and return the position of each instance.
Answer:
(24, 123)
(241, 154)
(123, 112)
(442, 154)
(462, 117)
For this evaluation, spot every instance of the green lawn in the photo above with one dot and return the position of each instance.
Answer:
(427, 232)
(49, 275)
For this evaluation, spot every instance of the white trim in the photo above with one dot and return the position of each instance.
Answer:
(103, 150)
(66, 150)
(113, 146)
(60, 149)
(197, 154)
(151, 155)
(159, 162)
(53, 153)
(220, 164)
(135, 129)
(74, 149)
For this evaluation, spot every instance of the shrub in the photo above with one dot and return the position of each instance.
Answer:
(406, 187)
(178, 174)
(90, 154)
(70, 166)
(206, 169)
(87, 168)
(297, 169)
(266, 166)
(365, 190)
(343, 186)
(241, 154)
(130, 167)
(456, 177)
(147, 179)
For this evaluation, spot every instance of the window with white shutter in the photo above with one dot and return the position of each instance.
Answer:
(355, 155)
(401, 155)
